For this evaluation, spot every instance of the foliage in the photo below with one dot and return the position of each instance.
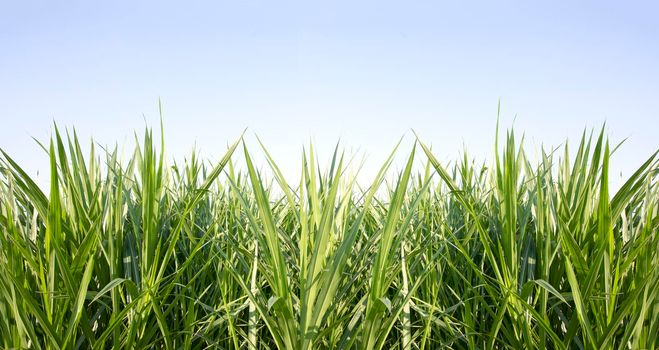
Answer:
(140, 255)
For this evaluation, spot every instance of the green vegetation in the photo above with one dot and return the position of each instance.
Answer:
(141, 255)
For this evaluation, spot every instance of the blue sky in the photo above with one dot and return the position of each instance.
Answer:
(365, 72)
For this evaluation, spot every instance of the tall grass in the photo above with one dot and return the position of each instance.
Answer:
(517, 254)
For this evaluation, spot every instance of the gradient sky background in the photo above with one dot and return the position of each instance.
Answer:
(365, 72)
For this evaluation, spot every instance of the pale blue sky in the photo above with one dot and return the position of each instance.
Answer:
(365, 72)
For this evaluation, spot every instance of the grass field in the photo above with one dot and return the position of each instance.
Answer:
(142, 254)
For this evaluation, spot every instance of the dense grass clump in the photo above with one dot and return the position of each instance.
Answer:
(141, 255)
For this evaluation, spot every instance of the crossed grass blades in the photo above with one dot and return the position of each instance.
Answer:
(137, 254)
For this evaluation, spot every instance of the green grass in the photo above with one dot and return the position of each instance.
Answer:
(516, 254)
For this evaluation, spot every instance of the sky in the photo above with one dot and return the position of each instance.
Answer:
(363, 72)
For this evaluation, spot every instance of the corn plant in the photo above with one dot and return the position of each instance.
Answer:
(516, 253)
